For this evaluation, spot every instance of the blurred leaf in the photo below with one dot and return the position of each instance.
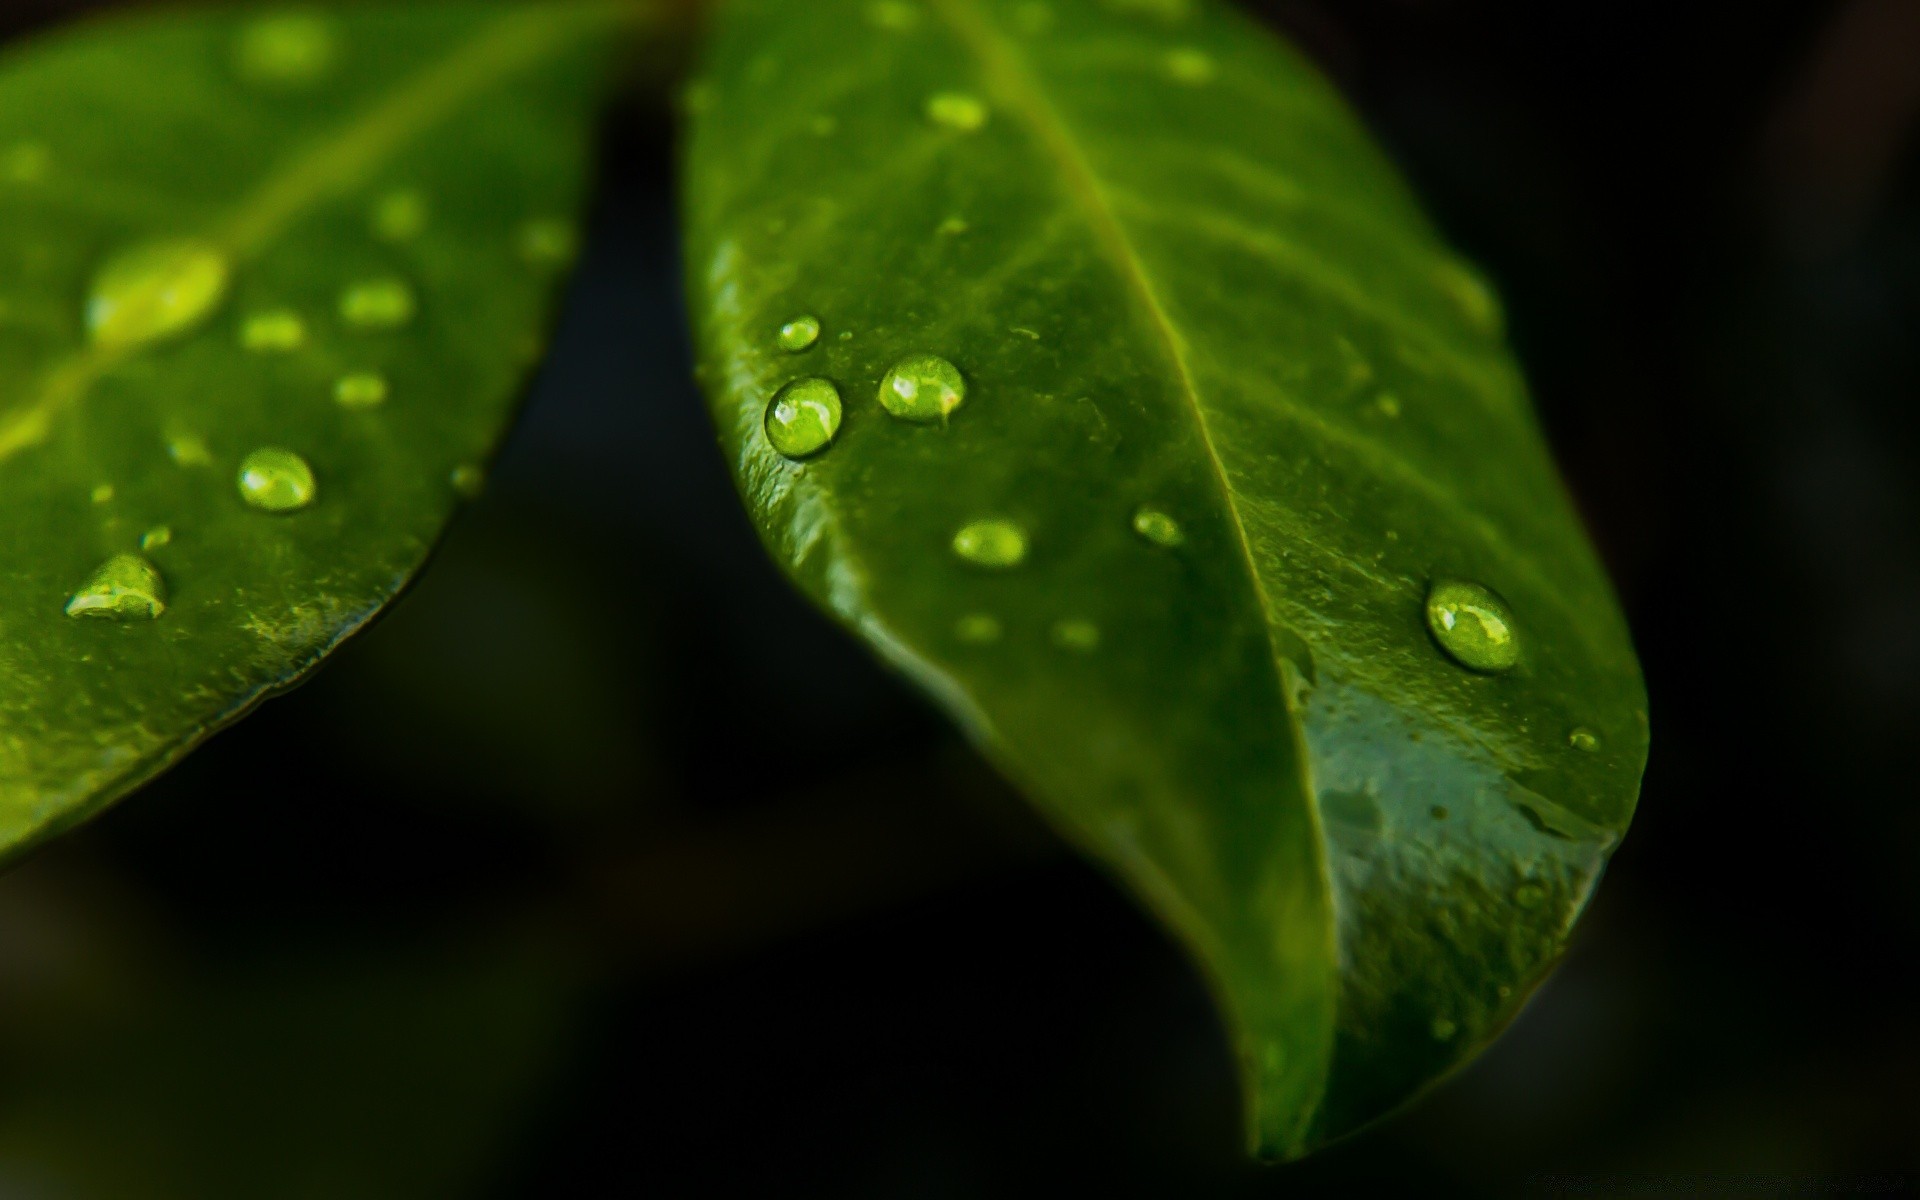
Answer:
(1231, 413)
(329, 236)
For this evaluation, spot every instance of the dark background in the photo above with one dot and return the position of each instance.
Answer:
(604, 866)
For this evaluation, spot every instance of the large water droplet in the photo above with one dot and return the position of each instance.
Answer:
(155, 290)
(994, 544)
(276, 331)
(125, 587)
(923, 388)
(1473, 625)
(549, 242)
(799, 334)
(803, 417)
(957, 110)
(978, 629)
(1584, 740)
(1080, 636)
(362, 389)
(386, 303)
(1157, 527)
(286, 50)
(275, 480)
(399, 216)
(1190, 66)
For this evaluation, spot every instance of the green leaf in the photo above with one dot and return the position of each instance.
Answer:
(271, 284)
(1231, 413)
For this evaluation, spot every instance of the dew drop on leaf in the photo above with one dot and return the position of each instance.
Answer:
(978, 629)
(103, 493)
(276, 331)
(549, 242)
(361, 389)
(1473, 625)
(399, 216)
(275, 480)
(799, 334)
(286, 50)
(125, 587)
(1584, 740)
(957, 110)
(1190, 66)
(992, 543)
(1157, 527)
(1443, 1029)
(953, 227)
(1077, 635)
(188, 450)
(923, 388)
(1389, 405)
(155, 290)
(386, 303)
(803, 417)
(156, 537)
(468, 480)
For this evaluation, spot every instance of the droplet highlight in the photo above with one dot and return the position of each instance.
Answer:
(124, 588)
(799, 334)
(1157, 527)
(158, 536)
(386, 303)
(994, 544)
(1474, 626)
(276, 331)
(803, 417)
(276, 480)
(961, 111)
(362, 389)
(923, 388)
(155, 290)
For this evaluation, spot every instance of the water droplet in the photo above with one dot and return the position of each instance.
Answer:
(1389, 405)
(803, 417)
(1584, 740)
(799, 334)
(377, 304)
(957, 110)
(923, 388)
(953, 227)
(1158, 528)
(362, 389)
(549, 241)
(1080, 636)
(978, 629)
(399, 216)
(1529, 895)
(125, 587)
(276, 331)
(895, 15)
(469, 480)
(26, 163)
(1443, 1029)
(275, 480)
(995, 544)
(189, 451)
(103, 494)
(1503, 991)
(286, 50)
(1471, 295)
(155, 290)
(1190, 66)
(1439, 812)
(156, 537)
(1474, 626)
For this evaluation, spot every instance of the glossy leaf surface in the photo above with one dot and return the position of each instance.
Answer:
(269, 283)
(1231, 416)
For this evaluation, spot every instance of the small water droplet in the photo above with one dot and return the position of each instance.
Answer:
(894, 15)
(1439, 812)
(1529, 895)
(362, 389)
(995, 544)
(549, 241)
(276, 331)
(1157, 527)
(189, 451)
(1191, 66)
(1584, 740)
(156, 537)
(385, 303)
(1082, 637)
(125, 587)
(923, 388)
(155, 290)
(978, 629)
(1389, 405)
(275, 480)
(399, 216)
(286, 50)
(1474, 626)
(803, 417)
(468, 480)
(1443, 1029)
(1503, 991)
(26, 163)
(103, 494)
(953, 227)
(957, 110)
(799, 334)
